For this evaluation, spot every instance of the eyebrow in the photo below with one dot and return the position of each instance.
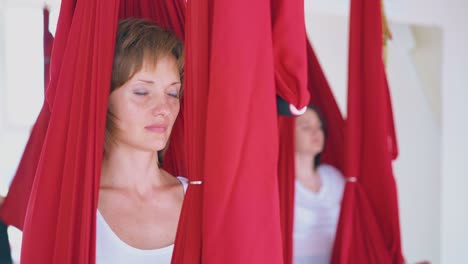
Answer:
(152, 82)
(145, 81)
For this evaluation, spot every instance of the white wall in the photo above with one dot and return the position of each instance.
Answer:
(417, 169)
(21, 85)
(429, 89)
(455, 135)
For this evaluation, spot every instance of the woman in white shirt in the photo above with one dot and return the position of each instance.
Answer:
(319, 190)
(140, 203)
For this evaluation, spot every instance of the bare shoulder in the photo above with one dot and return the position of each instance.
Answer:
(174, 186)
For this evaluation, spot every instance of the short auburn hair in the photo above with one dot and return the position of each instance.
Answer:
(140, 42)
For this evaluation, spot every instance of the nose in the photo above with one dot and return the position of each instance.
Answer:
(160, 106)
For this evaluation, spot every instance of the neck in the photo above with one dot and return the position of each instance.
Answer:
(305, 171)
(124, 167)
(304, 164)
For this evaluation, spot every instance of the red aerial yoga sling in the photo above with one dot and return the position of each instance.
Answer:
(240, 210)
(368, 230)
(64, 196)
(240, 222)
(291, 70)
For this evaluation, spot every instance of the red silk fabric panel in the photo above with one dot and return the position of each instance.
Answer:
(368, 231)
(60, 221)
(286, 179)
(241, 215)
(231, 136)
(290, 54)
(188, 246)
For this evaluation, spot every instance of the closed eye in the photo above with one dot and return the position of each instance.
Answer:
(174, 94)
(140, 92)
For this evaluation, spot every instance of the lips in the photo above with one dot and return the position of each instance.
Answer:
(157, 128)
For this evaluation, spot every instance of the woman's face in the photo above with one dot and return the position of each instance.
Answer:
(146, 106)
(309, 134)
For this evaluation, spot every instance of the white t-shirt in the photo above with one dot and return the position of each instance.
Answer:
(316, 217)
(111, 250)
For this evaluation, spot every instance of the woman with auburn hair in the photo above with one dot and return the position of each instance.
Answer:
(139, 202)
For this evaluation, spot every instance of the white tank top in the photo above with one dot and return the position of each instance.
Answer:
(316, 217)
(111, 250)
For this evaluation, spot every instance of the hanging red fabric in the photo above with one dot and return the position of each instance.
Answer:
(63, 199)
(68, 204)
(188, 245)
(290, 55)
(241, 215)
(234, 147)
(368, 230)
(290, 58)
(286, 180)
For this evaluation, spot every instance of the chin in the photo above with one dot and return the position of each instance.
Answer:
(152, 146)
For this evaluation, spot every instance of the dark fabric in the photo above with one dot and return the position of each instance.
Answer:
(5, 250)
(48, 40)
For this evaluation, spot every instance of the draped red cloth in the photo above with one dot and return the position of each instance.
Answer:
(290, 55)
(291, 69)
(286, 179)
(230, 137)
(241, 217)
(188, 246)
(63, 202)
(368, 230)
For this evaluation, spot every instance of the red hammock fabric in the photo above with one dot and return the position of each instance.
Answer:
(286, 179)
(290, 55)
(231, 140)
(241, 221)
(291, 69)
(368, 230)
(63, 200)
(188, 245)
